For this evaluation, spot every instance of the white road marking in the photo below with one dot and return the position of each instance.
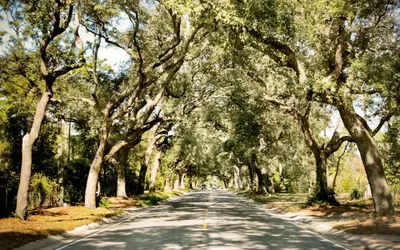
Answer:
(309, 231)
(320, 236)
(106, 229)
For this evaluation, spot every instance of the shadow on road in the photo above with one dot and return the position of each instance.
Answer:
(205, 220)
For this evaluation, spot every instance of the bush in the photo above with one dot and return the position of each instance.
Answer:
(152, 199)
(75, 181)
(277, 183)
(355, 194)
(43, 192)
(321, 200)
(104, 202)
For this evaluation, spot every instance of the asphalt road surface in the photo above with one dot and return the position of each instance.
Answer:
(207, 219)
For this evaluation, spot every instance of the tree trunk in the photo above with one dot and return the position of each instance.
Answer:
(251, 175)
(270, 183)
(26, 167)
(62, 154)
(241, 180)
(121, 184)
(154, 171)
(95, 167)
(225, 181)
(176, 183)
(182, 182)
(338, 166)
(371, 159)
(145, 162)
(167, 186)
(236, 177)
(261, 184)
(141, 179)
(321, 191)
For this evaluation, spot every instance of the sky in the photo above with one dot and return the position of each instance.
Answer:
(114, 56)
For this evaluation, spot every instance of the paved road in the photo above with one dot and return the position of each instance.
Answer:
(204, 220)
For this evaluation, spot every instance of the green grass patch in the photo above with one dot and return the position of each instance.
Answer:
(276, 197)
(151, 199)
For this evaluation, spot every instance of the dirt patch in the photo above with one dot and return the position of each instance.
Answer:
(42, 223)
(121, 202)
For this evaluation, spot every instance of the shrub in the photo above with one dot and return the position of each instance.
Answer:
(355, 194)
(43, 192)
(317, 199)
(104, 202)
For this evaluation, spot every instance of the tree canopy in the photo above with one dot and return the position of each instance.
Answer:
(265, 95)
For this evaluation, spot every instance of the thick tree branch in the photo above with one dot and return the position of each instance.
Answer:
(382, 122)
(274, 44)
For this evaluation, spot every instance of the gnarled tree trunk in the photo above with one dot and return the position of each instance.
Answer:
(95, 167)
(371, 159)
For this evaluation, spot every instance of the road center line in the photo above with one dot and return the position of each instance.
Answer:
(205, 219)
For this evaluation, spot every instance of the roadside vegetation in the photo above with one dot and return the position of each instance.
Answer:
(102, 102)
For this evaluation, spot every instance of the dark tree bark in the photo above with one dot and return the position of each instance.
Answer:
(251, 176)
(261, 184)
(321, 177)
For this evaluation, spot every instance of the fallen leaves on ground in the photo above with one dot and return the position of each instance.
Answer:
(42, 223)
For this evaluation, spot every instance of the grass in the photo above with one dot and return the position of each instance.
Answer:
(277, 198)
(45, 222)
(150, 199)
